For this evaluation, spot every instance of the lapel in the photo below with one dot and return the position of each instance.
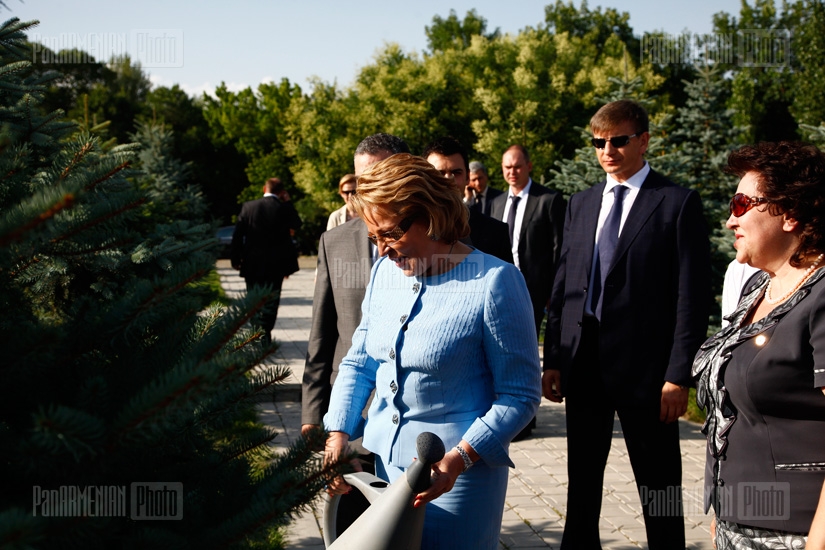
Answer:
(645, 204)
(591, 205)
(529, 210)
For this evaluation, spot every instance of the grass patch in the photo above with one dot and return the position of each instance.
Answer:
(211, 284)
(694, 413)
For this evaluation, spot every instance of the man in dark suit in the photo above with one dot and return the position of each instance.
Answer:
(345, 258)
(535, 226)
(478, 194)
(628, 312)
(262, 247)
(486, 234)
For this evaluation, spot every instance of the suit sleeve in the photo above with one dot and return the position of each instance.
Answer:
(557, 214)
(693, 290)
(323, 336)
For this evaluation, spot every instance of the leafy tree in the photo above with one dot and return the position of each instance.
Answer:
(809, 51)
(702, 137)
(592, 26)
(253, 122)
(814, 134)
(217, 166)
(450, 33)
(762, 92)
(121, 97)
(117, 369)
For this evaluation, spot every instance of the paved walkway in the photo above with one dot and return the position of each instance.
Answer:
(535, 504)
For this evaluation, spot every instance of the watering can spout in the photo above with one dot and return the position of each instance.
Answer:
(389, 522)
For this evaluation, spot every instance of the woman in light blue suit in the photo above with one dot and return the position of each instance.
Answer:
(448, 344)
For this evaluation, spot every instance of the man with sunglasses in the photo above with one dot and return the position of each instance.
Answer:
(628, 312)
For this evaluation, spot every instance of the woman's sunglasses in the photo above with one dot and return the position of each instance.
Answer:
(615, 141)
(741, 203)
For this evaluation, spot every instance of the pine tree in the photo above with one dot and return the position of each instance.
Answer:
(116, 369)
(695, 154)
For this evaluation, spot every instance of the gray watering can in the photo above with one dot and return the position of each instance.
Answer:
(387, 519)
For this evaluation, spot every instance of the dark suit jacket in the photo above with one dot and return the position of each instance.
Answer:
(344, 264)
(485, 205)
(656, 295)
(539, 240)
(490, 236)
(261, 243)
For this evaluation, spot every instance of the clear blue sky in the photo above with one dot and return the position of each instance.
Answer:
(199, 44)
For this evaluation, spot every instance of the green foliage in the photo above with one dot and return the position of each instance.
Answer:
(116, 368)
(694, 155)
(762, 93)
(809, 74)
(450, 33)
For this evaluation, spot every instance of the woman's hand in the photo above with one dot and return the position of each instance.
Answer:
(337, 450)
(445, 474)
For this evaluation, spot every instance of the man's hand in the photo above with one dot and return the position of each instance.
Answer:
(674, 402)
(551, 385)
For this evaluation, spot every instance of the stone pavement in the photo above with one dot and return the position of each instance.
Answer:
(535, 504)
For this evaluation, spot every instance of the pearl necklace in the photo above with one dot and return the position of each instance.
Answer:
(805, 277)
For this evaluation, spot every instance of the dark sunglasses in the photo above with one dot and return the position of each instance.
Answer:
(741, 203)
(393, 234)
(615, 141)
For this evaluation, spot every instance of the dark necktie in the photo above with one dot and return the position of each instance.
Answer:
(608, 238)
(511, 215)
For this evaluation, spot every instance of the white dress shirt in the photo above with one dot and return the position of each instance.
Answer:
(522, 203)
(633, 184)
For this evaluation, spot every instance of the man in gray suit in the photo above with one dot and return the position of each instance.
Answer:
(345, 258)
(478, 194)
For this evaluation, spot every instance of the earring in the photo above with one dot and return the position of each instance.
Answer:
(434, 237)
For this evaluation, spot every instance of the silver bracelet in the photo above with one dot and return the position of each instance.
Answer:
(468, 463)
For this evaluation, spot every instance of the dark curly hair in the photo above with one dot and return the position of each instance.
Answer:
(791, 175)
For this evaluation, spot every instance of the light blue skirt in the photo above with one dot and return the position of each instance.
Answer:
(469, 516)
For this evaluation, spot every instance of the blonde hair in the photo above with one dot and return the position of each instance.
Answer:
(405, 185)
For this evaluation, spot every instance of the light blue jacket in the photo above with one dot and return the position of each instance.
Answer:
(454, 354)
